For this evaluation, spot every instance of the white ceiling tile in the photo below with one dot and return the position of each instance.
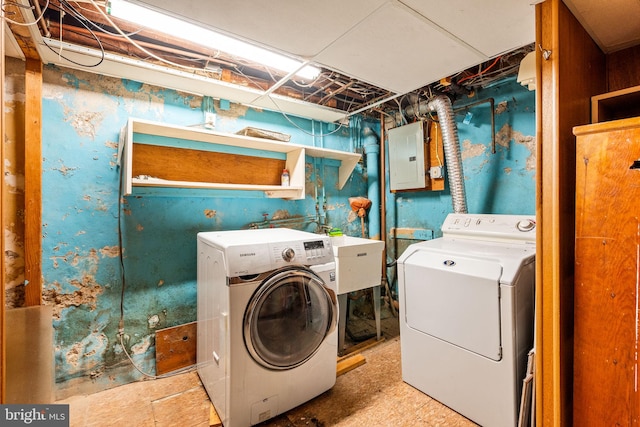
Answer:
(398, 50)
(299, 28)
(492, 27)
(420, 41)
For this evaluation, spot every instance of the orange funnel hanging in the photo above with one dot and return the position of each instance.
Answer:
(360, 206)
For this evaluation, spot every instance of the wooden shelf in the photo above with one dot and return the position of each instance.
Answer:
(155, 154)
(621, 104)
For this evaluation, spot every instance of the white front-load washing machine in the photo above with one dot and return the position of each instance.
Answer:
(267, 311)
(467, 314)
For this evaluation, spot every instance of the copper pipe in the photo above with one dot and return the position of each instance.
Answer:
(43, 25)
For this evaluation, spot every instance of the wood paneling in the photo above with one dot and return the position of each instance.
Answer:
(622, 69)
(573, 73)
(33, 182)
(607, 266)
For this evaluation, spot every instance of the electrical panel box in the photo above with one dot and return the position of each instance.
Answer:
(406, 157)
(414, 157)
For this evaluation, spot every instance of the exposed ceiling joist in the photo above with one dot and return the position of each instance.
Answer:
(375, 54)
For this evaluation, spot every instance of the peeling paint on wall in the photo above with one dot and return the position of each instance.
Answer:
(281, 214)
(110, 251)
(142, 346)
(506, 134)
(86, 294)
(83, 277)
(85, 123)
(502, 182)
(470, 150)
(233, 112)
(13, 182)
(153, 321)
(64, 170)
(14, 274)
(84, 355)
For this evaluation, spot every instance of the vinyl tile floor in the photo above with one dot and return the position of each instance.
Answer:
(372, 394)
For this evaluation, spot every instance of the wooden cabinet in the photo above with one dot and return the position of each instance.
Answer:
(607, 271)
(158, 155)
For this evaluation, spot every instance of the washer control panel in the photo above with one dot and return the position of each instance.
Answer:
(490, 227)
(288, 254)
(308, 252)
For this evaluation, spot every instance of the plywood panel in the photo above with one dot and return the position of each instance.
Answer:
(175, 348)
(180, 164)
(607, 266)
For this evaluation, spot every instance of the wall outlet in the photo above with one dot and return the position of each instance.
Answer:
(209, 120)
(435, 172)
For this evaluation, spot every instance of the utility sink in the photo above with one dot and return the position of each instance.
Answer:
(358, 262)
(358, 266)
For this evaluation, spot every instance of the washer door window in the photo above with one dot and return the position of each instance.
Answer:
(288, 318)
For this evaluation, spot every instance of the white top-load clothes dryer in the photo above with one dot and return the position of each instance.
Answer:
(467, 314)
(267, 313)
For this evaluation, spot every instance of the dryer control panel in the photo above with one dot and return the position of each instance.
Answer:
(490, 227)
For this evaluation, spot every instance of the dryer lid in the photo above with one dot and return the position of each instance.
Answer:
(511, 257)
(455, 300)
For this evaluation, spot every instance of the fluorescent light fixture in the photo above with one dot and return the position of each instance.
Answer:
(185, 30)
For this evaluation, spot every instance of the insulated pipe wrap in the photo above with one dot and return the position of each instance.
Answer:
(442, 106)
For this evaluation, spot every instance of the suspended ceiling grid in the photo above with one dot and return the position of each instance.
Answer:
(395, 46)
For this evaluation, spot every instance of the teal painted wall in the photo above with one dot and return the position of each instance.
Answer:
(83, 211)
(500, 183)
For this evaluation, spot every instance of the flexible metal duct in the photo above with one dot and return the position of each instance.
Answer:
(442, 107)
